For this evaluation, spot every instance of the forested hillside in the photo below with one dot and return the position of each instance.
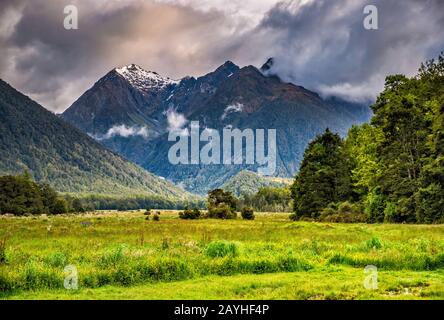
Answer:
(35, 140)
(249, 183)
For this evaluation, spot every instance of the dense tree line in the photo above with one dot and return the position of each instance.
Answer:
(101, 202)
(267, 199)
(20, 195)
(391, 170)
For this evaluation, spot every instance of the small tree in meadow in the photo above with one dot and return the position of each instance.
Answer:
(221, 204)
(247, 213)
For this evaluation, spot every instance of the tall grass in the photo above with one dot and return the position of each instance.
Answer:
(110, 250)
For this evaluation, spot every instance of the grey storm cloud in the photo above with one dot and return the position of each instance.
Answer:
(324, 45)
(319, 44)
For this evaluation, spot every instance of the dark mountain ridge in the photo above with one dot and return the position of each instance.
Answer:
(230, 96)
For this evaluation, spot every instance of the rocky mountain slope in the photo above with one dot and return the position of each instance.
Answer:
(132, 111)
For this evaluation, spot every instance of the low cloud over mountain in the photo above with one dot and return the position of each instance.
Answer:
(316, 43)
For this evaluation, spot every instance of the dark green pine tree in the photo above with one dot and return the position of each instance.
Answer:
(409, 114)
(404, 119)
(430, 196)
(324, 176)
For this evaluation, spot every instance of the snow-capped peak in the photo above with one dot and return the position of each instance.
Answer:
(144, 80)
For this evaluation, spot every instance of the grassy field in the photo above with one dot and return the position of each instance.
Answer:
(120, 255)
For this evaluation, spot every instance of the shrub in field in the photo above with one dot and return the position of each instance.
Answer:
(221, 204)
(57, 260)
(221, 211)
(156, 217)
(218, 249)
(189, 214)
(165, 243)
(247, 213)
(344, 212)
(113, 257)
(374, 243)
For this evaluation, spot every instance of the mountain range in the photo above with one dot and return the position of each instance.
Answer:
(131, 111)
(35, 140)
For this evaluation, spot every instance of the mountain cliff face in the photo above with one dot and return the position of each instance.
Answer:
(53, 151)
(131, 111)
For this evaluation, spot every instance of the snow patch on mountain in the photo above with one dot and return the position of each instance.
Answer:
(145, 80)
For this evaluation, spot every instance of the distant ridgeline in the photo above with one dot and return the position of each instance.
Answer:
(392, 169)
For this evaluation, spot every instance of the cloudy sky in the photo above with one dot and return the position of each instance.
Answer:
(320, 44)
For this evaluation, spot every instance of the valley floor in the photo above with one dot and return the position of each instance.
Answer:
(336, 283)
(121, 255)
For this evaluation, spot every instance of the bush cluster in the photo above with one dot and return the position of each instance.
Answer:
(189, 214)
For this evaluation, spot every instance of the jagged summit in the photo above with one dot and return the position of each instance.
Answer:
(144, 80)
(228, 67)
(267, 65)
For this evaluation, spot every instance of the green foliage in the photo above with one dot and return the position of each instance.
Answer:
(269, 199)
(390, 212)
(133, 202)
(430, 202)
(53, 151)
(221, 204)
(221, 211)
(189, 214)
(410, 115)
(396, 163)
(374, 243)
(324, 176)
(361, 144)
(247, 213)
(2, 251)
(78, 205)
(106, 254)
(221, 248)
(374, 207)
(20, 195)
(247, 183)
(344, 212)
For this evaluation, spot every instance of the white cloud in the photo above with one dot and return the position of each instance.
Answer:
(236, 107)
(176, 121)
(123, 131)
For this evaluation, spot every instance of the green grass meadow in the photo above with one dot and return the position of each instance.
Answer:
(121, 255)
